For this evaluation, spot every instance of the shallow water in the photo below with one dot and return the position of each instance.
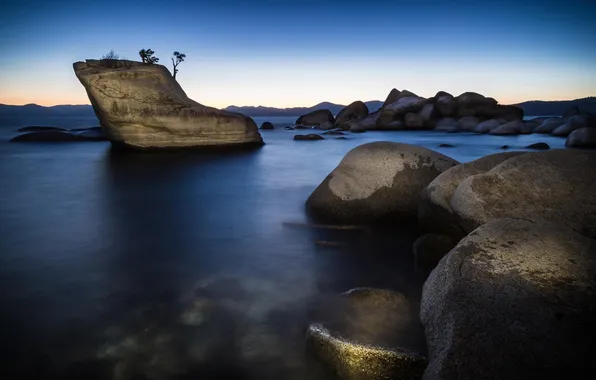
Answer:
(186, 265)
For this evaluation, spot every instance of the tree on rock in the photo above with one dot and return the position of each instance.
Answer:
(178, 59)
(147, 56)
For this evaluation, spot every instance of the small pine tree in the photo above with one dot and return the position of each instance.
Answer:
(179, 58)
(111, 55)
(147, 56)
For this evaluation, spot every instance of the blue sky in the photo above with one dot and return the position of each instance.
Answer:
(291, 53)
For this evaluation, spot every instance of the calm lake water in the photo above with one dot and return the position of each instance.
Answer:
(186, 265)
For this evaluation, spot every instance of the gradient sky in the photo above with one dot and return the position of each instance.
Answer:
(286, 53)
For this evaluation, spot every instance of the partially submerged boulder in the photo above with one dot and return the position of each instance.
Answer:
(361, 340)
(355, 111)
(142, 106)
(516, 300)
(487, 126)
(468, 123)
(556, 185)
(573, 123)
(308, 137)
(376, 182)
(549, 125)
(510, 128)
(316, 118)
(267, 125)
(582, 138)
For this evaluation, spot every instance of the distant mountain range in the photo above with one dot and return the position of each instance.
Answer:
(532, 107)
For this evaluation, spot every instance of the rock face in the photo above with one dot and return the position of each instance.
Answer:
(316, 118)
(375, 182)
(142, 106)
(430, 248)
(414, 121)
(359, 342)
(445, 104)
(429, 114)
(556, 185)
(514, 300)
(582, 138)
(369, 122)
(355, 111)
(434, 212)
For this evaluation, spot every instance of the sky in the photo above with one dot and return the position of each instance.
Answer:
(285, 53)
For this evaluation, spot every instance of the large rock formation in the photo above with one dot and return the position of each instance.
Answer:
(142, 106)
(514, 300)
(434, 212)
(377, 181)
(355, 111)
(556, 185)
(398, 109)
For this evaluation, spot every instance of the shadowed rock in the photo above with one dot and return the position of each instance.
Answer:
(414, 121)
(391, 97)
(510, 128)
(468, 123)
(355, 111)
(430, 248)
(309, 137)
(398, 109)
(377, 181)
(434, 211)
(573, 123)
(447, 125)
(142, 106)
(556, 185)
(515, 300)
(539, 146)
(445, 103)
(487, 126)
(429, 114)
(549, 125)
(582, 138)
(316, 118)
(267, 125)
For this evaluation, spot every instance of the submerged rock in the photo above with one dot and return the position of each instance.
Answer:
(539, 146)
(555, 185)
(515, 300)
(142, 106)
(377, 181)
(60, 136)
(361, 340)
(39, 128)
(310, 136)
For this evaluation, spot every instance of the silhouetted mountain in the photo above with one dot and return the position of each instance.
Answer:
(372, 105)
(36, 111)
(557, 107)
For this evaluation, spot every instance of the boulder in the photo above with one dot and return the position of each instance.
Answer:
(468, 123)
(430, 248)
(549, 125)
(582, 138)
(539, 146)
(434, 211)
(398, 109)
(414, 121)
(406, 94)
(142, 106)
(516, 300)
(510, 128)
(376, 182)
(369, 122)
(90, 134)
(573, 123)
(309, 137)
(360, 340)
(447, 124)
(446, 146)
(336, 132)
(391, 97)
(429, 114)
(392, 126)
(316, 118)
(356, 127)
(446, 104)
(528, 128)
(267, 125)
(355, 111)
(540, 119)
(571, 111)
(556, 185)
(508, 113)
(487, 126)
(474, 99)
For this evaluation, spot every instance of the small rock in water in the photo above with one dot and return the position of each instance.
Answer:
(310, 136)
(289, 128)
(341, 138)
(267, 125)
(505, 147)
(446, 146)
(539, 146)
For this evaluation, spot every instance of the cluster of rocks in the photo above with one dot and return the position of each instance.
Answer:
(57, 134)
(468, 112)
(510, 248)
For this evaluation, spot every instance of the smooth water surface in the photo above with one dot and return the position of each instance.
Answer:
(186, 265)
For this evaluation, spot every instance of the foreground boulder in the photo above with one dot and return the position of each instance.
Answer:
(514, 300)
(355, 111)
(434, 212)
(360, 340)
(377, 181)
(556, 185)
(142, 106)
(315, 118)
